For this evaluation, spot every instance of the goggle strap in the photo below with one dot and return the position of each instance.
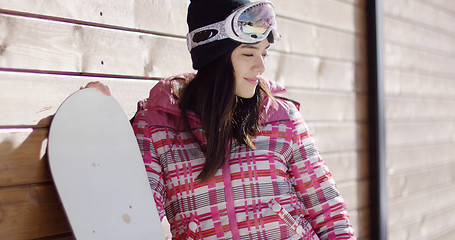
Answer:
(218, 26)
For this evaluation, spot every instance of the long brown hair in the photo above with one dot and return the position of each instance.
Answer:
(223, 115)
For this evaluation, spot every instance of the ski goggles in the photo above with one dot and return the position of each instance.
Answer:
(251, 23)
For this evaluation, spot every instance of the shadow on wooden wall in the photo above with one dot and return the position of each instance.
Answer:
(30, 207)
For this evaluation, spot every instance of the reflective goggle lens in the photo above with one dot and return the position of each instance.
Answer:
(257, 19)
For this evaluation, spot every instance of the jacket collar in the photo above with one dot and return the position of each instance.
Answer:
(162, 98)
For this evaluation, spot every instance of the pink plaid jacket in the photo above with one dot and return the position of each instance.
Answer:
(281, 190)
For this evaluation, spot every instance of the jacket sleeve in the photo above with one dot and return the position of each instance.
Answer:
(150, 156)
(324, 206)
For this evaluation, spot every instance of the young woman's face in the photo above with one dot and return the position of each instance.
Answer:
(248, 61)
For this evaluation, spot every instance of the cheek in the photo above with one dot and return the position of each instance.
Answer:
(237, 72)
(238, 84)
(239, 67)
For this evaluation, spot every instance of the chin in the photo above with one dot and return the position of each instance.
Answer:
(246, 95)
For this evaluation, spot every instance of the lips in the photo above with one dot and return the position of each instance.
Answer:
(254, 80)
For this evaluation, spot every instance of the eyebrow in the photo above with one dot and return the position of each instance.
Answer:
(253, 46)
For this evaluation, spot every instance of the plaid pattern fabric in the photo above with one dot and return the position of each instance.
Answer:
(281, 190)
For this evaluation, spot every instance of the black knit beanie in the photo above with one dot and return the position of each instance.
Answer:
(202, 13)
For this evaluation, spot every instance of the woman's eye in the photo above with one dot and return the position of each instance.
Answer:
(248, 55)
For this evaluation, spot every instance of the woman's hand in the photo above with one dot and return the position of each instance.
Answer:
(98, 85)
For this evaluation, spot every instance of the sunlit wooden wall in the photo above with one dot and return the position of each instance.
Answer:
(48, 49)
(420, 117)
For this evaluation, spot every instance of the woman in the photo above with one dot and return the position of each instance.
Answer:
(226, 159)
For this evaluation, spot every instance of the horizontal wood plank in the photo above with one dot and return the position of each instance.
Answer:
(57, 46)
(339, 137)
(30, 212)
(24, 105)
(404, 184)
(406, 83)
(413, 60)
(421, 156)
(347, 166)
(407, 134)
(295, 71)
(406, 108)
(330, 106)
(163, 16)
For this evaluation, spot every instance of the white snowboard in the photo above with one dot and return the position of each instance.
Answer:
(98, 170)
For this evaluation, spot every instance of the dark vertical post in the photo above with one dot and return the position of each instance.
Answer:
(378, 174)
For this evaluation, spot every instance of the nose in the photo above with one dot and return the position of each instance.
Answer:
(259, 64)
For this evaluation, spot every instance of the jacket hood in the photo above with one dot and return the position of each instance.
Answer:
(162, 101)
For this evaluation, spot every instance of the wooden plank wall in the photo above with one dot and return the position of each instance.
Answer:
(48, 49)
(420, 117)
